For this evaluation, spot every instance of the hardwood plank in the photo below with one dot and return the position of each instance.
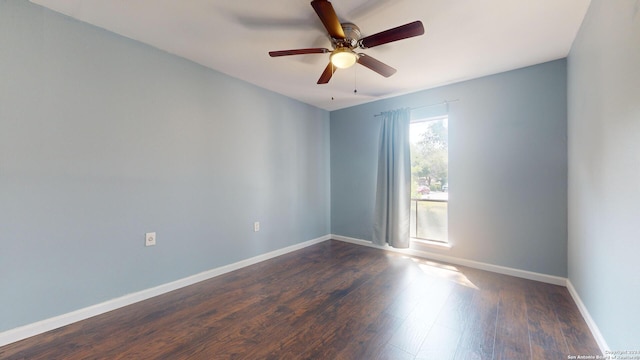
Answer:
(442, 340)
(411, 297)
(575, 331)
(545, 336)
(441, 343)
(372, 340)
(333, 300)
(390, 352)
(418, 306)
(326, 333)
(147, 322)
(293, 302)
(355, 326)
(237, 309)
(512, 331)
(415, 329)
(298, 309)
(480, 332)
(456, 310)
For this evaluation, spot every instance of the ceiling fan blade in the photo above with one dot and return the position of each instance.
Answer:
(398, 33)
(329, 19)
(299, 52)
(375, 65)
(326, 74)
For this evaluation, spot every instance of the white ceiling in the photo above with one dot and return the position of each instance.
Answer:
(463, 39)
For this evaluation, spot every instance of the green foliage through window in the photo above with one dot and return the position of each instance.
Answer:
(429, 156)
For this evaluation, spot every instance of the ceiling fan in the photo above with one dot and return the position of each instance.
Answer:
(346, 37)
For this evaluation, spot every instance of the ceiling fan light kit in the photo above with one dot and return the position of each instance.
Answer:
(343, 58)
(345, 37)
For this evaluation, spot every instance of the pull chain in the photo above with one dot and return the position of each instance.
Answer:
(355, 80)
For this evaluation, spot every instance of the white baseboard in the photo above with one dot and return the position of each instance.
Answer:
(550, 279)
(26, 331)
(595, 331)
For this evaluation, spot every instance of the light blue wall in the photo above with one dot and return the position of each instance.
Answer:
(604, 169)
(103, 139)
(507, 167)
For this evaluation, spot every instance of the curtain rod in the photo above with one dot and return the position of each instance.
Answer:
(446, 102)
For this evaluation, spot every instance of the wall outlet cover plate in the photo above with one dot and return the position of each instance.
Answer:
(150, 239)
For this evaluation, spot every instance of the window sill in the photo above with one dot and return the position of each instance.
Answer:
(421, 244)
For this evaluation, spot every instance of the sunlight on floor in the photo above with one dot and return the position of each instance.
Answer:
(448, 272)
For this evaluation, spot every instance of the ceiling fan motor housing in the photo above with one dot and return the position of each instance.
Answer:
(351, 38)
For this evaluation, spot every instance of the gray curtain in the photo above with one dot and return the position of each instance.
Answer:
(393, 193)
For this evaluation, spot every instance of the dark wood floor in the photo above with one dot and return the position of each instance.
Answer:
(333, 300)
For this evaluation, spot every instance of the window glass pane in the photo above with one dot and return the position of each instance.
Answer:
(429, 179)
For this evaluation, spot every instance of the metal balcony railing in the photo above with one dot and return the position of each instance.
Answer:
(429, 220)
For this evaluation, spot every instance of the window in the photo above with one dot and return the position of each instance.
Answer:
(429, 179)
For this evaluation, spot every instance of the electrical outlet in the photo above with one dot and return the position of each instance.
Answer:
(256, 226)
(150, 239)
